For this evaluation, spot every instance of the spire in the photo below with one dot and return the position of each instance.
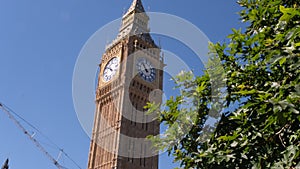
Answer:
(134, 22)
(136, 6)
(5, 165)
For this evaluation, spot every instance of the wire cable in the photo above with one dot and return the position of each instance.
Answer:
(12, 115)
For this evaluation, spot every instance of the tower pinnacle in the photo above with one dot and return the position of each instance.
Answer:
(136, 6)
(134, 22)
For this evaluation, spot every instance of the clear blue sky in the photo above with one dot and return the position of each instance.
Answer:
(39, 45)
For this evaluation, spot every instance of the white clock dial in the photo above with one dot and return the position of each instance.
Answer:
(111, 69)
(146, 70)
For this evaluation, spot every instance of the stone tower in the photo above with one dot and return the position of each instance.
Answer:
(131, 74)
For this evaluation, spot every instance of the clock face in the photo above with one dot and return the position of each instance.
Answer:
(111, 69)
(146, 70)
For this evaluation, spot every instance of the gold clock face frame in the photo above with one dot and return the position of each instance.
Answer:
(111, 68)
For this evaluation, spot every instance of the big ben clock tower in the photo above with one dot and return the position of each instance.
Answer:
(131, 74)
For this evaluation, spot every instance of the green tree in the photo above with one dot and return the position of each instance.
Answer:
(258, 119)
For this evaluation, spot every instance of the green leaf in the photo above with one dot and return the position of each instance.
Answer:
(297, 44)
(282, 61)
(228, 138)
(246, 92)
(288, 13)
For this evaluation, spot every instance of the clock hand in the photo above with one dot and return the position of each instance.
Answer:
(145, 68)
(110, 69)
